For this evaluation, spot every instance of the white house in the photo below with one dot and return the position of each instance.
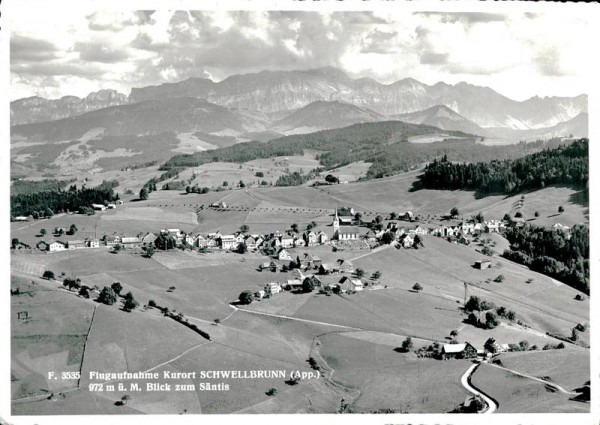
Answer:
(98, 207)
(57, 246)
(284, 255)
(229, 242)
(272, 288)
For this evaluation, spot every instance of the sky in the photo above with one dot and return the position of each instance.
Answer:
(81, 50)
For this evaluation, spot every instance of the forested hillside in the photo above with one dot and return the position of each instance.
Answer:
(555, 253)
(567, 164)
(384, 144)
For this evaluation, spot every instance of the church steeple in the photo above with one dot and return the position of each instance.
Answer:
(336, 223)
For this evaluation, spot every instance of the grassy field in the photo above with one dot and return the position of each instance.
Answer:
(568, 368)
(390, 380)
(516, 394)
(52, 338)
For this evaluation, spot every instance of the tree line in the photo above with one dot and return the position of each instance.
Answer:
(566, 164)
(48, 203)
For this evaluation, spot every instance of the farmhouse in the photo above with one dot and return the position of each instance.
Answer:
(111, 206)
(56, 246)
(284, 255)
(483, 264)
(294, 284)
(76, 244)
(131, 242)
(459, 351)
(98, 207)
(326, 268)
(299, 242)
(148, 239)
(316, 282)
(349, 284)
(407, 240)
(287, 241)
(408, 216)
(322, 237)
(92, 243)
(310, 238)
(345, 266)
(272, 288)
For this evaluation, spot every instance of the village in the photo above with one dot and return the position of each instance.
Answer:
(306, 272)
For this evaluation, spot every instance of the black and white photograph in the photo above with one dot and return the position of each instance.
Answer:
(300, 208)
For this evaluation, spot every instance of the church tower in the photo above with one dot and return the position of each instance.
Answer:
(336, 224)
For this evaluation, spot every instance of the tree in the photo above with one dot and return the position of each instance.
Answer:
(84, 291)
(107, 296)
(524, 345)
(308, 285)
(418, 241)
(72, 229)
(518, 214)
(359, 272)
(491, 321)
(393, 215)
(454, 333)
(117, 247)
(144, 194)
(499, 278)
(43, 232)
(259, 174)
(536, 214)
(417, 287)
(225, 184)
(378, 219)
(48, 275)
(473, 304)
(71, 283)
(242, 184)
(294, 227)
(330, 178)
(387, 238)
(271, 392)
(242, 248)
(561, 209)
(244, 228)
(473, 320)
(48, 212)
(125, 398)
(511, 315)
(149, 251)
(246, 297)
(407, 344)
(376, 275)
(130, 302)
(358, 217)
(117, 287)
(479, 217)
(454, 212)
(490, 345)
(14, 242)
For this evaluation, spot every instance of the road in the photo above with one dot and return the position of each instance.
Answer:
(466, 382)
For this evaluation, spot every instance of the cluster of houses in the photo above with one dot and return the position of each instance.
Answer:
(229, 242)
(346, 284)
(467, 351)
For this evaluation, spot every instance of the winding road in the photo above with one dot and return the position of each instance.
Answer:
(466, 382)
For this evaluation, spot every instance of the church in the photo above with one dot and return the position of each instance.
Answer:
(343, 232)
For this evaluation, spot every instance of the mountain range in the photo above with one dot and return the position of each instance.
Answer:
(283, 92)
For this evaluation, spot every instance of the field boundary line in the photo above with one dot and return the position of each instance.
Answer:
(177, 357)
(524, 375)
